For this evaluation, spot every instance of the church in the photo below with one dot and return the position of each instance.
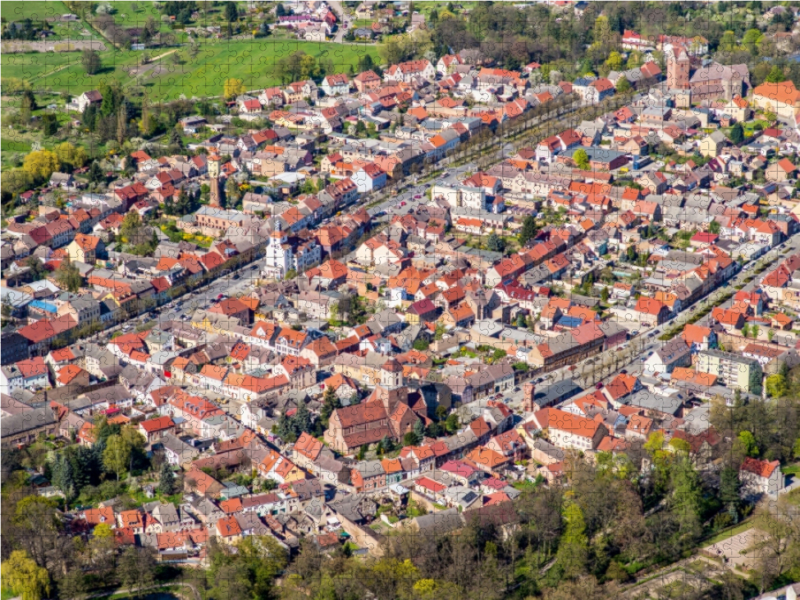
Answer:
(385, 413)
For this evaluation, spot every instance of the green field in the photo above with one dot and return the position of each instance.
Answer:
(35, 65)
(127, 17)
(252, 61)
(34, 10)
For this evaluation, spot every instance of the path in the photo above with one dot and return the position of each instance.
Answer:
(150, 587)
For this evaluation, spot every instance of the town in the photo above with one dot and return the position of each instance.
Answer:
(449, 304)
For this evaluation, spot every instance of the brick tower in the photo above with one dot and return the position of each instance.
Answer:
(678, 65)
(528, 392)
(213, 180)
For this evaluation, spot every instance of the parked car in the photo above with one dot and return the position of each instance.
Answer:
(598, 385)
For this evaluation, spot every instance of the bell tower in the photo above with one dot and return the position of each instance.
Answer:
(391, 390)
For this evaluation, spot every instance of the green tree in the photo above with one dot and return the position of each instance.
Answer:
(602, 33)
(175, 138)
(68, 276)
(623, 87)
(581, 159)
(330, 402)
(71, 155)
(748, 443)
(96, 174)
(38, 270)
(166, 480)
(302, 419)
(49, 124)
(117, 455)
(16, 181)
(528, 231)
(573, 549)
(451, 424)
(714, 227)
(419, 430)
(421, 344)
(410, 439)
(495, 243)
(737, 133)
(136, 567)
(729, 487)
(614, 61)
(90, 59)
(22, 575)
(777, 386)
(775, 75)
(686, 501)
(63, 476)
(231, 13)
(130, 226)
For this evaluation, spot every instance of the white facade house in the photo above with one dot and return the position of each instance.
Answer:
(760, 477)
(334, 85)
(408, 71)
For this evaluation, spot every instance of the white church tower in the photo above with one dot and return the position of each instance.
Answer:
(279, 258)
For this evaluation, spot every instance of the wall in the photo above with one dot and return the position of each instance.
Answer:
(363, 536)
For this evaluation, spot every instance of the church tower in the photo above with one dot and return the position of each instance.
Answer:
(280, 257)
(678, 65)
(213, 176)
(391, 390)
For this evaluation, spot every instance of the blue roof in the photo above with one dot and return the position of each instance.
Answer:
(570, 322)
(45, 306)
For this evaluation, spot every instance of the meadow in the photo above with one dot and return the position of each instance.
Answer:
(33, 9)
(252, 61)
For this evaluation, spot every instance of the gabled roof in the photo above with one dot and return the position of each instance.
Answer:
(762, 468)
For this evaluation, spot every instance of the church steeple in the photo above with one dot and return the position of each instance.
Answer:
(391, 374)
(391, 390)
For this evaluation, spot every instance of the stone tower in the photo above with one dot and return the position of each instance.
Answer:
(678, 65)
(528, 392)
(213, 180)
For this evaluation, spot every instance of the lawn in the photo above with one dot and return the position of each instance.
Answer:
(127, 17)
(524, 485)
(34, 65)
(729, 533)
(10, 145)
(252, 61)
(791, 470)
(34, 10)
